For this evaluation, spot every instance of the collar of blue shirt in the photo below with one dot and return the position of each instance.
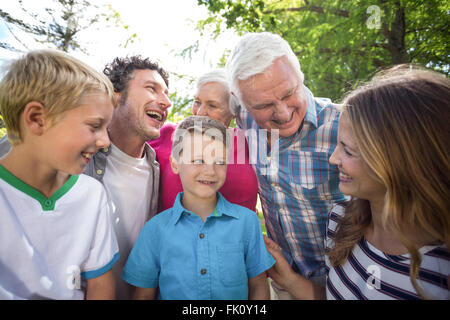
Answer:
(223, 207)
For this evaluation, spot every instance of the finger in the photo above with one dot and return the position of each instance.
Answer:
(271, 244)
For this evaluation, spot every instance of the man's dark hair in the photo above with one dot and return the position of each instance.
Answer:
(121, 70)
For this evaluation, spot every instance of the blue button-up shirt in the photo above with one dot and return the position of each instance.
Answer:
(189, 259)
(298, 186)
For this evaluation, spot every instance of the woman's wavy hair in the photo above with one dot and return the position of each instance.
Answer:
(401, 123)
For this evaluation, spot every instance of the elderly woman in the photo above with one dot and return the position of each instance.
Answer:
(212, 99)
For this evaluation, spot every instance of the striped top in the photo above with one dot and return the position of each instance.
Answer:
(297, 184)
(370, 274)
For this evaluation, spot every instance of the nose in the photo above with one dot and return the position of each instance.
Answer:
(202, 110)
(103, 139)
(164, 101)
(334, 158)
(209, 169)
(282, 112)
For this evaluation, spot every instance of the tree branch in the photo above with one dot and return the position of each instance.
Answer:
(15, 37)
(8, 19)
(338, 12)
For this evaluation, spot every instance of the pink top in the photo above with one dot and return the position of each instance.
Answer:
(240, 187)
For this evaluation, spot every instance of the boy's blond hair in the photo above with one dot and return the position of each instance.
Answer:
(53, 78)
(203, 125)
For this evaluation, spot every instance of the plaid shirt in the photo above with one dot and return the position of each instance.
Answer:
(297, 185)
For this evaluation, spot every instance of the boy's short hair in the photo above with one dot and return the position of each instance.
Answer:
(203, 125)
(53, 78)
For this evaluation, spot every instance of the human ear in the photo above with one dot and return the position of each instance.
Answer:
(118, 97)
(34, 117)
(173, 165)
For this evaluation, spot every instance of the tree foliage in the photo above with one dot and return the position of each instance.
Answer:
(60, 24)
(340, 43)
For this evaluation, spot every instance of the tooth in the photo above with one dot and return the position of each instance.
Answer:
(154, 113)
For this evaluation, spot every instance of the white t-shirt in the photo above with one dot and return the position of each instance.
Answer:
(50, 246)
(129, 183)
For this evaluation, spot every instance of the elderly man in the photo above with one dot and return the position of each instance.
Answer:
(298, 186)
(128, 168)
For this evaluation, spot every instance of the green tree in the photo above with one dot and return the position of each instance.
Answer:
(181, 107)
(340, 43)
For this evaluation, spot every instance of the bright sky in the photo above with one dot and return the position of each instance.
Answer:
(163, 27)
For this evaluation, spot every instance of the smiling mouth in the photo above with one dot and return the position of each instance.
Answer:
(282, 123)
(87, 156)
(155, 115)
(344, 177)
(206, 182)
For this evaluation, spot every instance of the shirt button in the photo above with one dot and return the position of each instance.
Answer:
(99, 171)
(203, 271)
(48, 203)
(201, 235)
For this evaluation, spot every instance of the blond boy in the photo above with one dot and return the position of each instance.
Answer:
(56, 238)
(204, 247)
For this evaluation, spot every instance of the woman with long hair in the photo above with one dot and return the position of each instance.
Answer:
(391, 240)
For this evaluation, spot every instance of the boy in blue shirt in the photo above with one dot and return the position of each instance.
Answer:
(204, 247)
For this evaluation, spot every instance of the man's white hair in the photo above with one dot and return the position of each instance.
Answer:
(253, 54)
(220, 76)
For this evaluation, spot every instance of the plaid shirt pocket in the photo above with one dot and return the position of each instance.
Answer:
(308, 169)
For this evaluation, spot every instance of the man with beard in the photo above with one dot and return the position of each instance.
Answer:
(128, 168)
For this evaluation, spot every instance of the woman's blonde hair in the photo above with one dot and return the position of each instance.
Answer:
(401, 123)
(53, 78)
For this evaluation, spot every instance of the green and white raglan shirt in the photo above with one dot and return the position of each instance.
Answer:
(50, 246)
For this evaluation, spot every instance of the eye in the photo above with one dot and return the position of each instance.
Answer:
(197, 161)
(220, 163)
(289, 94)
(95, 126)
(263, 106)
(347, 153)
(151, 88)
